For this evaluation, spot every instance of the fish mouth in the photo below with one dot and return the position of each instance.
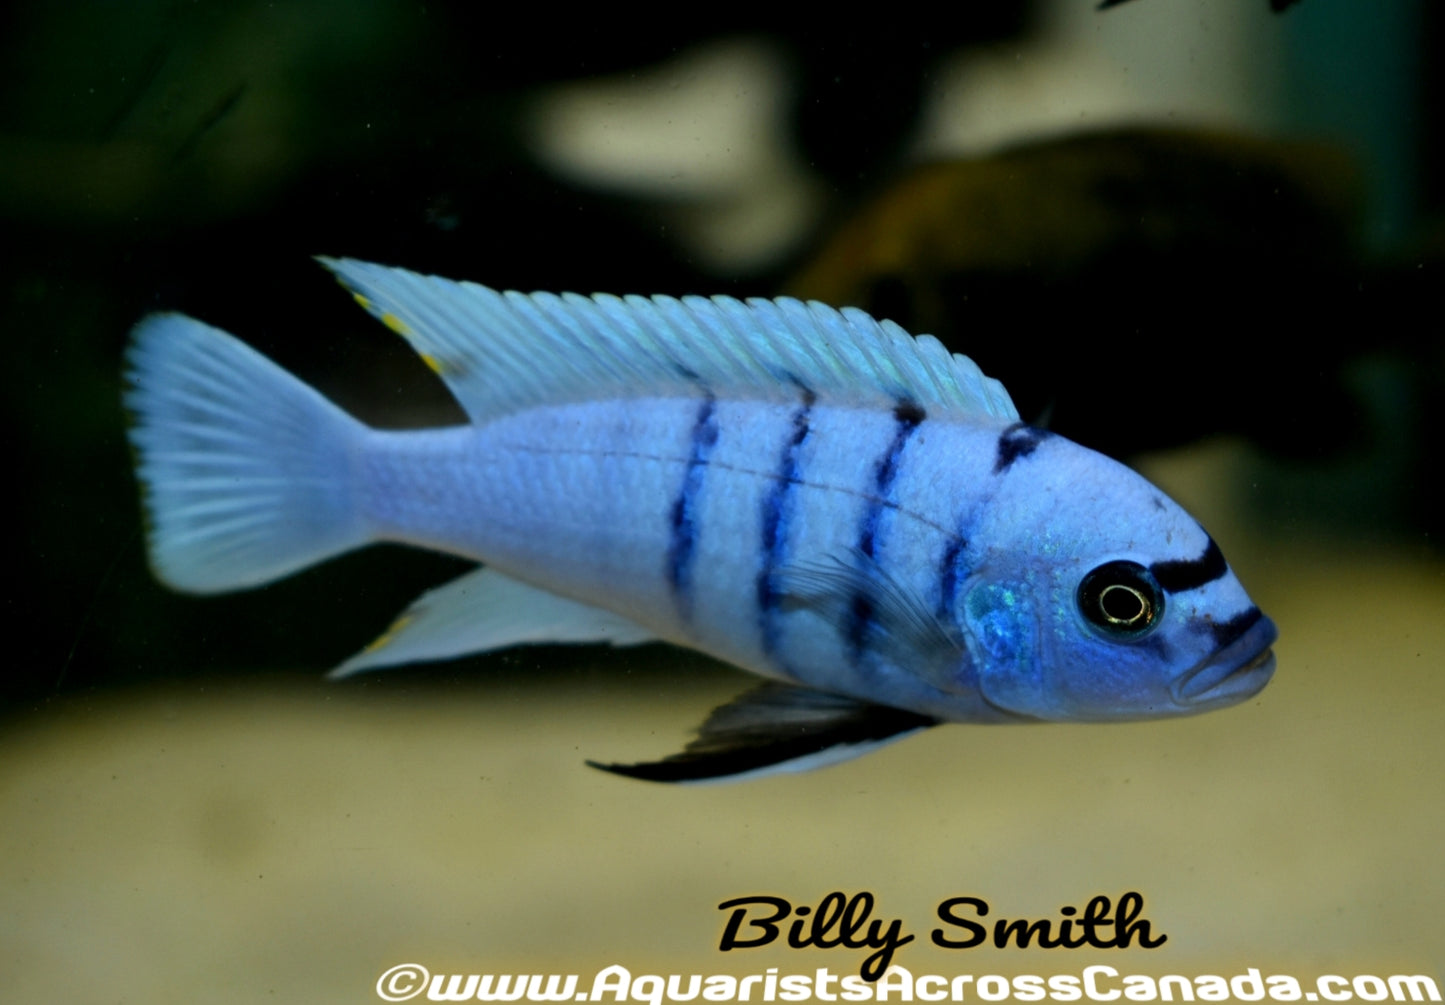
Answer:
(1233, 673)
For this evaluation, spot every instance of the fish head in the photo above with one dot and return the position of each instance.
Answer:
(1103, 600)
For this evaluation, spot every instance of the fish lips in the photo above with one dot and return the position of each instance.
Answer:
(1236, 671)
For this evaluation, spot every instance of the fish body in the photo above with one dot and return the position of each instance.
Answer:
(699, 550)
(855, 515)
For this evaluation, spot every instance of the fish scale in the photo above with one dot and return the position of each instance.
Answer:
(550, 494)
(855, 515)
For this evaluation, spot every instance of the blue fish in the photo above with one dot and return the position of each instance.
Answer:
(854, 514)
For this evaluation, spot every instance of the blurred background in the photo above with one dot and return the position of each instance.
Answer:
(1205, 239)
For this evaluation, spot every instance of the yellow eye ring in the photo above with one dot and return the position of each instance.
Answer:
(1121, 600)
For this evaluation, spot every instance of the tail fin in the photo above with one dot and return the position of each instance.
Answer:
(245, 469)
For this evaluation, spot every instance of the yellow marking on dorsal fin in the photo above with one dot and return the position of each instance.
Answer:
(435, 364)
(387, 318)
(397, 325)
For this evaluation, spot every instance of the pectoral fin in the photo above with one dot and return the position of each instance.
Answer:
(485, 610)
(777, 728)
(902, 629)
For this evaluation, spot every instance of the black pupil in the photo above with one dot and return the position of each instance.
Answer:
(1122, 604)
(1122, 598)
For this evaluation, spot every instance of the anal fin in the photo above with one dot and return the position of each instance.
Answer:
(778, 728)
(485, 610)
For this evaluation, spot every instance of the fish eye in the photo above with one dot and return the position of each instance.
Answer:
(1121, 599)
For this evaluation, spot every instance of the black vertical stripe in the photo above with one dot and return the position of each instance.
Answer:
(1018, 440)
(775, 515)
(948, 576)
(683, 546)
(861, 611)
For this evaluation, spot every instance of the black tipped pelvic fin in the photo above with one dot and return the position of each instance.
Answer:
(777, 728)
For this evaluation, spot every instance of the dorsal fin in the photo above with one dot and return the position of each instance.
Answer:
(502, 352)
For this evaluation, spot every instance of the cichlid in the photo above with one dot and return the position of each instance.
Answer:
(854, 514)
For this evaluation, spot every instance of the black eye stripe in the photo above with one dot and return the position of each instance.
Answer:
(1225, 632)
(1191, 573)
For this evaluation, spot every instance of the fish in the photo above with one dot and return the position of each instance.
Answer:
(855, 515)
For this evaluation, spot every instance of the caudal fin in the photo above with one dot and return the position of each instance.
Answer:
(245, 469)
